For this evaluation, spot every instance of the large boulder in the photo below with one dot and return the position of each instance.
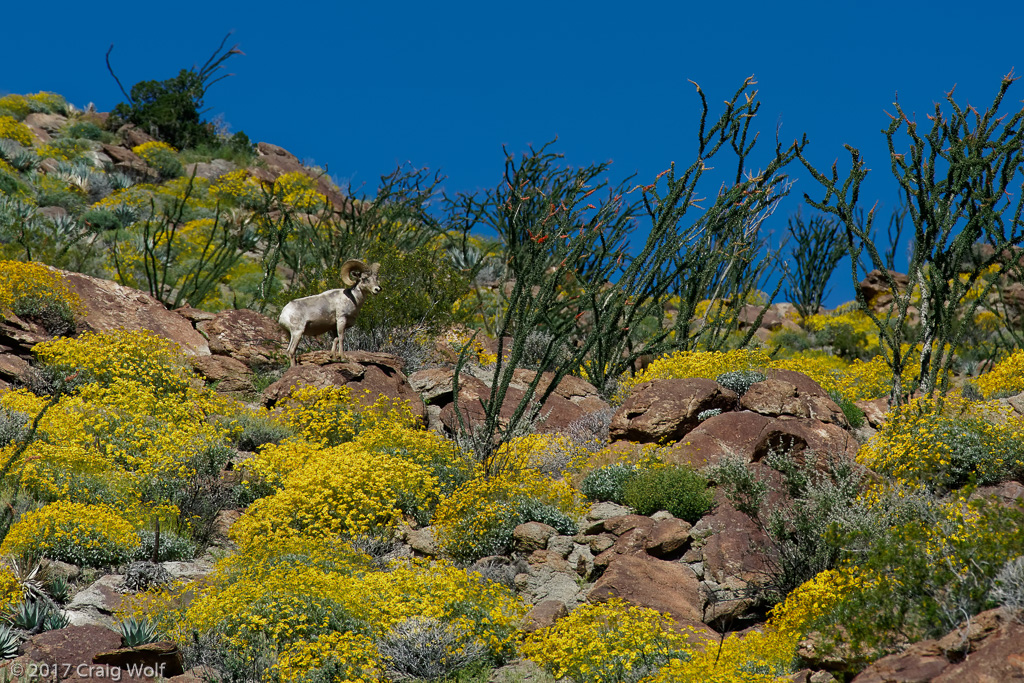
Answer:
(989, 648)
(369, 375)
(110, 306)
(778, 398)
(876, 290)
(667, 409)
(572, 400)
(669, 587)
(751, 436)
(244, 335)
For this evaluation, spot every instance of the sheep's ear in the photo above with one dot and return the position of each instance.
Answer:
(374, 268)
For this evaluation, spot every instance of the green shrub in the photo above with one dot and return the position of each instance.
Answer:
(679, 489)
(607, 483)
(854, 415)
(930, 565)
(87, 130)
(418, 290)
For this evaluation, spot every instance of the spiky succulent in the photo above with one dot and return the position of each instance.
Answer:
(29, 615)
(135, 632)
(59, 589)
(9, 642)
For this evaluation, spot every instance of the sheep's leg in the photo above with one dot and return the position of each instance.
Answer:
(338, 346)
(293, 346)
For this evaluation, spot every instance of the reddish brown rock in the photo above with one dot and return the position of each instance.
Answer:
(734, 433)
(577, 391)
(876, 290)
(110, 306)
(625, 523)
(544, 614)
(668, 538)
(228, 374)
(369, 375)
(989, 648)
(668, 587)
(162, 657)
(875, 411)
(798, 435)
(556, 413)
(532, 536)
(735, 546)
(72, 650)
(667, 409)
(244, 335)
(778, 398)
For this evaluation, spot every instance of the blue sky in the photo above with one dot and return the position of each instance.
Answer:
(361, 87)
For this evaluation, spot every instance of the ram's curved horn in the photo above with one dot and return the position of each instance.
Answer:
(348, 267)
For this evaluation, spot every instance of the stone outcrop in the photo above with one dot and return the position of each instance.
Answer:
(571, 401)
(667, 409)
(987, 649)
(110, 306)
(369, 375)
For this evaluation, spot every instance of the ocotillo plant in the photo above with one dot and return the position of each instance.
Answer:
(818, 248)
(573, 277)
(961, 182)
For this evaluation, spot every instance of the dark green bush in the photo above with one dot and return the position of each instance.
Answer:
(607, 483)
(87, 130)
(170, 110)
(100, 220)
(679, 489)
(854, 415)
(418, 290)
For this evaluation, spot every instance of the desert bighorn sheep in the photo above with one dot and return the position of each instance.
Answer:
(331, 311)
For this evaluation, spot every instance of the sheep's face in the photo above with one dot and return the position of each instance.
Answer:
(368, 281)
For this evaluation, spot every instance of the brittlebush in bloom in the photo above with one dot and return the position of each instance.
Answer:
(87, 535)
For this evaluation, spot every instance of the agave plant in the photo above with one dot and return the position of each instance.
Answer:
(28, 573)
(29, 615)
(9, 642)
(55, 620)
(59, 589)
(136, 632)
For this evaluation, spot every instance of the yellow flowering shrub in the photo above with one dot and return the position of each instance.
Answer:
(442, 457)
(943, 442)
(857, 380)
(339, 657)
(237, 188)
(293, 603)
(64, 149)
(140, 356)
(119, 444)
(332, 415)
(607, 642)
(87, 535)
(17, 104)
(924, 564)
(298, 190)
(340, 490)
(27, 287)
(1006, 377)
(848, 329)
(12, 129)
(478, 518)
(757, 657)
(809, 602)
(706, 364)
(10, 589)
(147, 149)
